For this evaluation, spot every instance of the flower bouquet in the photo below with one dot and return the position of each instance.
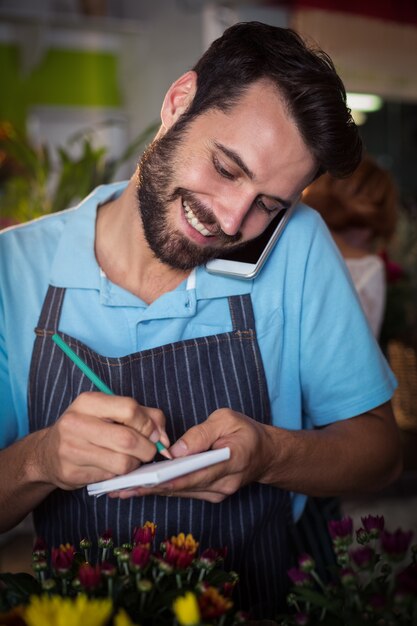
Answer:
(127, 585)
(372, 583)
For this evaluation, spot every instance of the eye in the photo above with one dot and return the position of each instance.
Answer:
(222, 170)
(269, 205)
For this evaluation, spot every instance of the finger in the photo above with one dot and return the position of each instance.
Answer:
(87, 432)
(148, 421)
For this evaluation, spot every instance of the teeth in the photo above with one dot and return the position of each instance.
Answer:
(194, 222)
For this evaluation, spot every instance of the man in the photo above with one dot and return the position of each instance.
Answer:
(196, 360)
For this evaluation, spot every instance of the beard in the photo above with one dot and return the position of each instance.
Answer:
(155, 195)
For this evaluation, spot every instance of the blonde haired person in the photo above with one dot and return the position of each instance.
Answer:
(361, 213)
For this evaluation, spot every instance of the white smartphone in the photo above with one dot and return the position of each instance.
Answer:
(248, 260)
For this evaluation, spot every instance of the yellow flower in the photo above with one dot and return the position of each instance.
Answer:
(185, 542)
(57, 611)
(122, 619)
(186, 609)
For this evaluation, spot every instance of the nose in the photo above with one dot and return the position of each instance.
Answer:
(232, 212)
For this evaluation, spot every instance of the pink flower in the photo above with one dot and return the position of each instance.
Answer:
(89, 576)
(395, 545)
(362, 556)
(108, 569)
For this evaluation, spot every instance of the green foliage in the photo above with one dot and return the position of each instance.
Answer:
(30, 186)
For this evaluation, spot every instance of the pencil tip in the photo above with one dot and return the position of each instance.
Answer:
(162, 450)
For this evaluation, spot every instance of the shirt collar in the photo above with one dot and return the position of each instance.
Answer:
(75, 265)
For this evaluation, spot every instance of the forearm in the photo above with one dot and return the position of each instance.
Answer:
(359, 454)
(21, 487)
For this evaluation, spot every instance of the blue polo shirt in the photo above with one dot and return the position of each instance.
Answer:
(322, 363)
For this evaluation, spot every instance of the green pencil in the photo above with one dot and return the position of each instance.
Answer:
(95, 379)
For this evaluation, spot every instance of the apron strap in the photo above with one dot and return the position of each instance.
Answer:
(241, 312)
(51, 311)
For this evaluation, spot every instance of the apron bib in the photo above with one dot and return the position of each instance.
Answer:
(187, 380)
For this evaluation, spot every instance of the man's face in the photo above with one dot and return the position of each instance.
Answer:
(219, 182)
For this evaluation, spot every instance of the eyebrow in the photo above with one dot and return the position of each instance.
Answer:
(231, 154)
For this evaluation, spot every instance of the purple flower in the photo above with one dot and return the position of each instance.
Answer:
(341, 529)
(306, 563)
(395, 545)
(347, 577)
(362, 556)
(301, 619)
(377, 601)
(373, 524)
(407, 580)
(298, 577)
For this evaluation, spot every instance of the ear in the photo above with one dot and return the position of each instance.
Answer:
(178, 98)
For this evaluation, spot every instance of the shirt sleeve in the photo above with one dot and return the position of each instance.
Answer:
(343, 371)
(8, 421)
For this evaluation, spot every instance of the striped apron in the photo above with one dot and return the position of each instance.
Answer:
(187, 380)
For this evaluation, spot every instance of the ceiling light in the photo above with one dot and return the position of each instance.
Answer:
(364, 102)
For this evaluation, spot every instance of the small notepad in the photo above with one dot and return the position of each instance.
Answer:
(155, 473)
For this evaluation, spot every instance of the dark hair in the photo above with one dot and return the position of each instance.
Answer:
(305, 77)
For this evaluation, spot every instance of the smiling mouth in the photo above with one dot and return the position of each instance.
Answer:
(194, 222)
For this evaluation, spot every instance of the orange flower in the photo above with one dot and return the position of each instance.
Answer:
(212, 604)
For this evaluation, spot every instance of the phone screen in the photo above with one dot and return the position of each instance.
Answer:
(252, 251)
(247, 261)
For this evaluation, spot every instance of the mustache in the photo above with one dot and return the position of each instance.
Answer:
(204, 215)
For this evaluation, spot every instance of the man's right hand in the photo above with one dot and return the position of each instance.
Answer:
(99, 436)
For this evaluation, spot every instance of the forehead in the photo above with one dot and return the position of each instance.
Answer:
(261, 130)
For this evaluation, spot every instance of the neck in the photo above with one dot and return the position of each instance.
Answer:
(123, 253)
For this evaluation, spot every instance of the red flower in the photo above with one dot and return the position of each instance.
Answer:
(144, 534)
(106, 539)
(108, 569)
(395, 545)
(140, 555)
(89, 576)
(62, 558)
(178, 557)
(39, 547)
(362, 556)
(214, 554)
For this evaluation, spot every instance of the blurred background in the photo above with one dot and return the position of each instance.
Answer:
(82, 83)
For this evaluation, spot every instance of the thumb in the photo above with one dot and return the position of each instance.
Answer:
(197, 439)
